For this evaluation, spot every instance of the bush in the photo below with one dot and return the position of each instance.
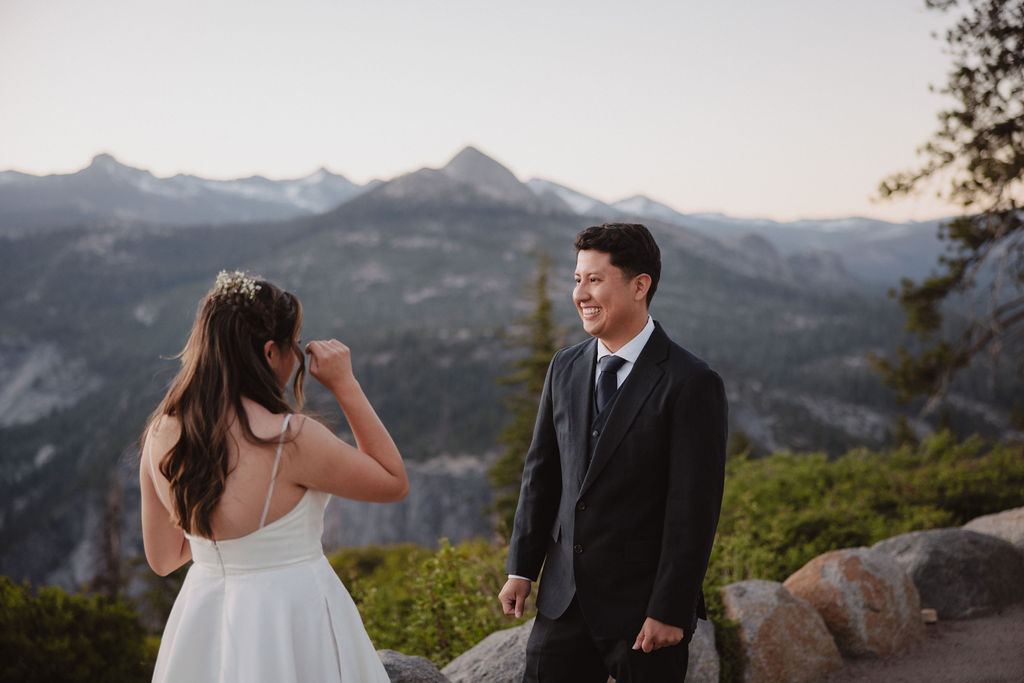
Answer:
(52, 636)
(421, 602)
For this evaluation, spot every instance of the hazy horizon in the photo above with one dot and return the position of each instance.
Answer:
(785, 111)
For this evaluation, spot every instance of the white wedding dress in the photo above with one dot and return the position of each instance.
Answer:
(267, 607)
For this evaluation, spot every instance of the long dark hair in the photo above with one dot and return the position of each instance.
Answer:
(223, 361)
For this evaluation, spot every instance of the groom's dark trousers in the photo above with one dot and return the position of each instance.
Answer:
(620, 508)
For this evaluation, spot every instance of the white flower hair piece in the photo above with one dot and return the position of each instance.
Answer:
(236, 282)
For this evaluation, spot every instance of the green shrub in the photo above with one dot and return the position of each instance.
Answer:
(52, 636)
(435, 604)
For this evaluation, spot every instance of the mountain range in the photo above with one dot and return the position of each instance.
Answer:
(422, 276)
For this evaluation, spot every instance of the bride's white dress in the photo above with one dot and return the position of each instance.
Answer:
(267, 607)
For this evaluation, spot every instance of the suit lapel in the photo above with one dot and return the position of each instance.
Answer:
(642, 379)
(581, 398)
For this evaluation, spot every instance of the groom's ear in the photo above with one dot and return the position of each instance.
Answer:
(641, 285)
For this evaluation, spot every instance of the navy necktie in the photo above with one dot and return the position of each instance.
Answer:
(606, 380)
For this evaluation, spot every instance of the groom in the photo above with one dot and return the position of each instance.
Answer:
(622, 485)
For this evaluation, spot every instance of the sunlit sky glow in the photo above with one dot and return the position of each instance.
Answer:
(785, 109)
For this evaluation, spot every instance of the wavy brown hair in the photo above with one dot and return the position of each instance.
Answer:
(223, 361)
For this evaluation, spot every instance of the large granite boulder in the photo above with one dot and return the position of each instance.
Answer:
(782, 637)
(498, 658)
(959, 573)
(501, 657)
(704, 665)
(403, 668)
(867, 600)
(1007, 525)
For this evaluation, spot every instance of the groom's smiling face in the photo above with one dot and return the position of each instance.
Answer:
(612, 305)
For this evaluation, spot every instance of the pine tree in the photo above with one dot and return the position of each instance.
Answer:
(903, 434)
(979, 150)
(537, 337)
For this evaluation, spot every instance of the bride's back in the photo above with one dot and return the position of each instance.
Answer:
(250, 470)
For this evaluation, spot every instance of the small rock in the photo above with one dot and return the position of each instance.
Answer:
(498, 658)
(959, 573)
(403, 668)
(1007, 525)
(782, 637)
(867, 600)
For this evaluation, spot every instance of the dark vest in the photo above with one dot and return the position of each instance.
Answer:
(597, 423)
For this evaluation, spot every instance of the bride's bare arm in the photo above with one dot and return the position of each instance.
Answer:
(373, 469)
(164, 541)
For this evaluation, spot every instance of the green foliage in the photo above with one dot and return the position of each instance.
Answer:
(537, 339)
(380, 580)
(740, 446)
(979, 148)
(780, 512)
(433, 604)
(53, 636)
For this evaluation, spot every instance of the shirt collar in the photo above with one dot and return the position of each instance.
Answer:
(630, 351)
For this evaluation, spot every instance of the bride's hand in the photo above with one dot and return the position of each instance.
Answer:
(330, 363)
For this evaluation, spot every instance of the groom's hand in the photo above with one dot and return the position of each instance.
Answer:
(656, 634)
(513, 596)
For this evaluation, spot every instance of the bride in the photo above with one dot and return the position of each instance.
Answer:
(236, 481)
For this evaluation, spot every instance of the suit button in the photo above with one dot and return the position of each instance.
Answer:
(595, 433)
(578, 549)
(582, 505)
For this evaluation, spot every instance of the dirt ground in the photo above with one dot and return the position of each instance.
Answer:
(988, 649)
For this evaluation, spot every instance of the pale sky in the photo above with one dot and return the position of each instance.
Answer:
(777, 109)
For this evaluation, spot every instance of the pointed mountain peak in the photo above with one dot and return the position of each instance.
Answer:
(471, 165)
(106, 162)
(488, 177)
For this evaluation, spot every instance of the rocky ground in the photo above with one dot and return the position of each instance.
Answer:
(987, 649)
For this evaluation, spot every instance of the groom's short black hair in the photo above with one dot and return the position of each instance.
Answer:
(631, 246)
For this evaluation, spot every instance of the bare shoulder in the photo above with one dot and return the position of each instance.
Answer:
(163, 434)
(306, 432)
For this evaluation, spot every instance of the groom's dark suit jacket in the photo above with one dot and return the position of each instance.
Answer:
(630, 535)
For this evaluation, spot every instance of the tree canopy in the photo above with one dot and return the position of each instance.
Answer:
(976, 158)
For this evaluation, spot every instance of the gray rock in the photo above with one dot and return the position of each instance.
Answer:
(498, 658)
(704, 665)
(782, 637)
(409, 669)
(501, 657)
(1007, 525)
(959, 573)
(867, 600)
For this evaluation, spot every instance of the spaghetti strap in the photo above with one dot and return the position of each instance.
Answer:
(273, 473)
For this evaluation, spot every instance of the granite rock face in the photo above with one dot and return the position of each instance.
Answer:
(867, 600)
(498, 658)
(783, 638)
(959, 573)
(409, 669)
(1007, 525)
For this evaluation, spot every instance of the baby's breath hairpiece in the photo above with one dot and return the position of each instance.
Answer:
(236, 282)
